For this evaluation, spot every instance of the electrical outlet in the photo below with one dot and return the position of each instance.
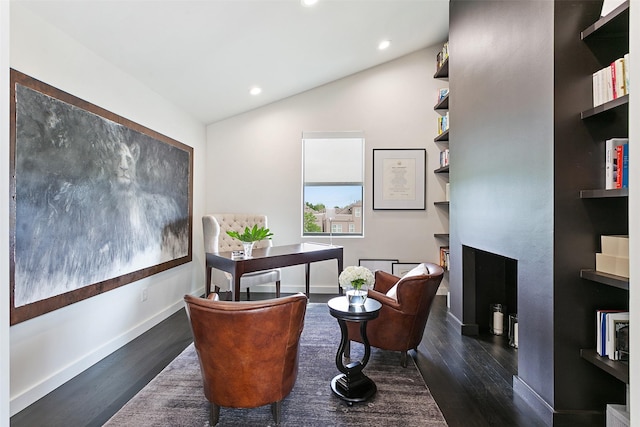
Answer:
(144, 295)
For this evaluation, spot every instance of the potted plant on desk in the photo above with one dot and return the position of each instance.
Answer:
(250, 236)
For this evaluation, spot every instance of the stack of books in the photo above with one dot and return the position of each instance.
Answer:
(611, 82)
(443, 123)
(442, 55)
(442, 94)
(614, 258)
(616, 166)
(444, 158)
(612, 336)
(444, 257)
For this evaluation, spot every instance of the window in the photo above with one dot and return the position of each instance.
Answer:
(332, 183)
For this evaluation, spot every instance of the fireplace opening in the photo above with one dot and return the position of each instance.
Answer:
(488, 279)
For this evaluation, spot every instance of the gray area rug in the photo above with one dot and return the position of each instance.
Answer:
(175, 397)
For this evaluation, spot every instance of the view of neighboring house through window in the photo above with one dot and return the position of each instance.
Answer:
(332, 183)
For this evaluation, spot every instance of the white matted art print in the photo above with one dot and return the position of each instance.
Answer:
(399, 179)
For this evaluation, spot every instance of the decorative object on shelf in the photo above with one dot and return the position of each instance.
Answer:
(513, 330)
(399, 180)
(496, 325)
(356, 280)
(250, 236)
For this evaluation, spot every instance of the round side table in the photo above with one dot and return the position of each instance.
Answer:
(352, 385)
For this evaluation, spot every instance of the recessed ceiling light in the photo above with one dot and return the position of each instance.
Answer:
(308, 3)
(384, 44)
(255, 90)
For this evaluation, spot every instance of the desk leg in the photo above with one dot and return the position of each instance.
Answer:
(340, 265)
(207, 286)
(236, 287)
(307, 275)
(352, 385)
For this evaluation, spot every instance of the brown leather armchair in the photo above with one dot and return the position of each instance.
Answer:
(248, 351)
(401, 323)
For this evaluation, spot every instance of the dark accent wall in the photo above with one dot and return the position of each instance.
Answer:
(520, 154)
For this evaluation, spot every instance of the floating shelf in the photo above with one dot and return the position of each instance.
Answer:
(615, 23)
(443, 204)
(443, 104)
(444, 169)
(443, 236)
(605, 278)
(443, 71)
(623, 101)
(443, 137)
(618, 369)
(603, 194)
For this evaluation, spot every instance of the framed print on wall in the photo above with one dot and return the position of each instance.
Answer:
(97, 201)
(378, 264)
(402, 268)
(399, 179)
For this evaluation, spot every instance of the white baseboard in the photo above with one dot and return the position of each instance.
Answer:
(19, 402)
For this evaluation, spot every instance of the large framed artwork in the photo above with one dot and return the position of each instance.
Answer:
(97, 201)
(399, 179)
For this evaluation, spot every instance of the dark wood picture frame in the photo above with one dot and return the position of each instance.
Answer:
(97, 201)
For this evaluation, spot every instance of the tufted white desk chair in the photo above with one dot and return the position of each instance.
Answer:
(216, 239)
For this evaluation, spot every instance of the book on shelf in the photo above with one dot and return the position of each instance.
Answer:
(444, 157)
(617, 322)
(443, 123)
(611, 82)
(444, 257)
(442, 93)
(613, 163)
(601, 330)
(442, 55)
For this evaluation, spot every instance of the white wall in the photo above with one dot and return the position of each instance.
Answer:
(49, 350)
(4, 212)
(253, 161)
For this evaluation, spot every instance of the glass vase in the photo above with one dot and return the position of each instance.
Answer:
(357, 297)
(248, 248)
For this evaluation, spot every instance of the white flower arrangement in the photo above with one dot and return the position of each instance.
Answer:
(356, 277)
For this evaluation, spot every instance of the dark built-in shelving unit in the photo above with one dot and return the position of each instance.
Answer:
(443, 139)
(608, 38)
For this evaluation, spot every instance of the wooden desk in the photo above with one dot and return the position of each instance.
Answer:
(269, 258)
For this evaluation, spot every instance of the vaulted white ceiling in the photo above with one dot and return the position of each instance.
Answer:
(205, 55)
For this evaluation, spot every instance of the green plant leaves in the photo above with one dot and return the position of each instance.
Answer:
(254, 234)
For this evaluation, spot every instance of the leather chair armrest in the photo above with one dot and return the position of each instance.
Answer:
(383, 299)
(384, 281)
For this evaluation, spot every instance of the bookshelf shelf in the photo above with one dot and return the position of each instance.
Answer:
(444, 169)
(443, 236)
(443, 104)
(444, 204)
(443, 137)
(621, 102)
(619, 370)
(603, 194)
(614, 24)
(605, 278)
(443, 71)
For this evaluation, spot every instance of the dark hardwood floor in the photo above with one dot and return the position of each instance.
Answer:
(470, 377)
